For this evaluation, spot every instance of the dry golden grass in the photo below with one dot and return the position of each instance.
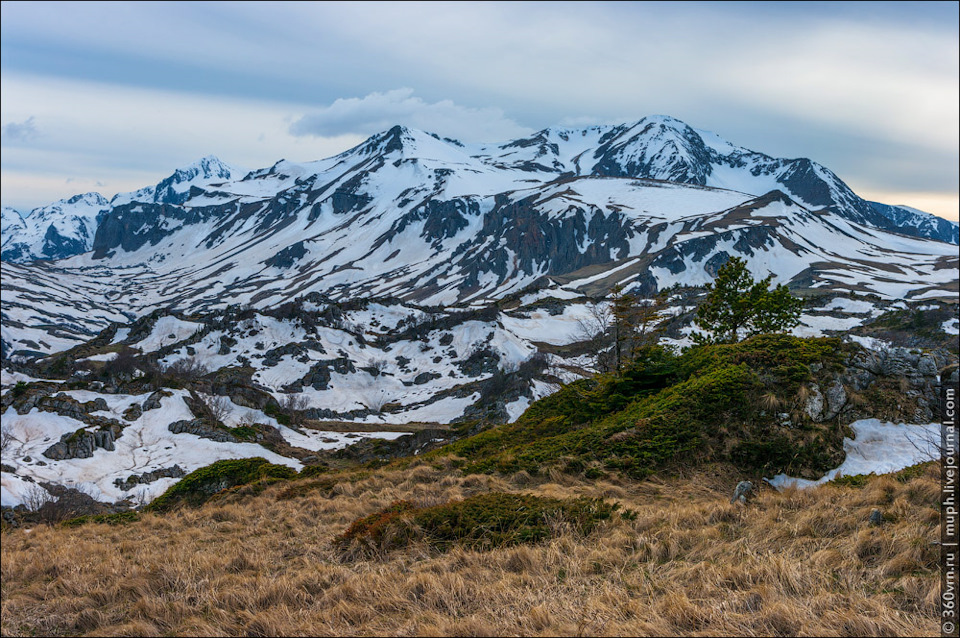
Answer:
(689, 563)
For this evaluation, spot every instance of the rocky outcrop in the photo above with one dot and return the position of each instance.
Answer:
(481, 361)
(149, 477)
(153, 401)
(133, 412)
(82, 444)
(425, 377)
(200, 428)
(297, 350)
(894, 384)
(287, 257)
(236, 384)
(319, 374)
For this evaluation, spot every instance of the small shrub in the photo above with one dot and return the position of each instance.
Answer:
(119, 518)
(310, 471)
(854, 480)
(186, 369)
(196, 488)
(292, 406)
(484, 521)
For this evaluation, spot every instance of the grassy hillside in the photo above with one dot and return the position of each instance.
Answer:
(714, 403)
(684, 561)
(603, 510)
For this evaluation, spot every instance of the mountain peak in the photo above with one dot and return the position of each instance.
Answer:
(11, 218)
(206, 170)
(402, 142)
(208, 167)
(90, 199)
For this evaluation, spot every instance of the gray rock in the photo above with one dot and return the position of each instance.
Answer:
(80, 444)
(201, 429)
(836, 399)
(425, 377)
(149, 477)
(742, 491)
(814, 405)
(153, 401)
(876, 517)
(927, 366)
(133, 412)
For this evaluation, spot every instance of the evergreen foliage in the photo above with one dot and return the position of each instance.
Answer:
(704, 405)
(738, 307)
(198, 486)
(483, 521)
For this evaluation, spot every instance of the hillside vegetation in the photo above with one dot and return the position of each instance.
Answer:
(718, 402)
(682, 561)
(603, 510)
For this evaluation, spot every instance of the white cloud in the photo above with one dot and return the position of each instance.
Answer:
(19, 132)
(379, 111)
(777, 78)
(127, 138)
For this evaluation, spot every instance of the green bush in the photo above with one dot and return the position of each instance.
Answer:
(704, 404)
(483, 522)
(120, 518)
(314, 470)
(198, 486)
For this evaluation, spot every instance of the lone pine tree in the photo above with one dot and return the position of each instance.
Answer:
(738, 307)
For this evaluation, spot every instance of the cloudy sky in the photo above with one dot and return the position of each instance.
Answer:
(114, 96)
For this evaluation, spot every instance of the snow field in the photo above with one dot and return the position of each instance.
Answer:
(879, 448)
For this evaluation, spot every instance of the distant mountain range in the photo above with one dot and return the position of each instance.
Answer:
(433, 221)
(67, 227)
(418, 281)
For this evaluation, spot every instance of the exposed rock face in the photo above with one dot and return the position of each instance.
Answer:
(237, 385)
(81, 444)
(149, 477)
(814, 404)
(425, 377)
(297, 350)
(480, 362)
(200, 428)
(69, 503)
(319, 374)
(896, 384)
(225, 344)
(288, 256)
(133, 413)
(836, 399)
(382, 450)
(921, 224)
(153, 401)
(78, 444)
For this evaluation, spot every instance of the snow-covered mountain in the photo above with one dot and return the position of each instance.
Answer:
(923, 224)
(67, 227)
(433, 221)
(410, 280)
(62, 229)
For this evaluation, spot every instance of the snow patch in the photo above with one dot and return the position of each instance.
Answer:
(879, 448)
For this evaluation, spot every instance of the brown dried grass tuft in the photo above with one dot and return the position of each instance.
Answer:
(685, 562)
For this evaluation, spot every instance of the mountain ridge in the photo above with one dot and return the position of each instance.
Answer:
(655, 147)
(407, 214)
